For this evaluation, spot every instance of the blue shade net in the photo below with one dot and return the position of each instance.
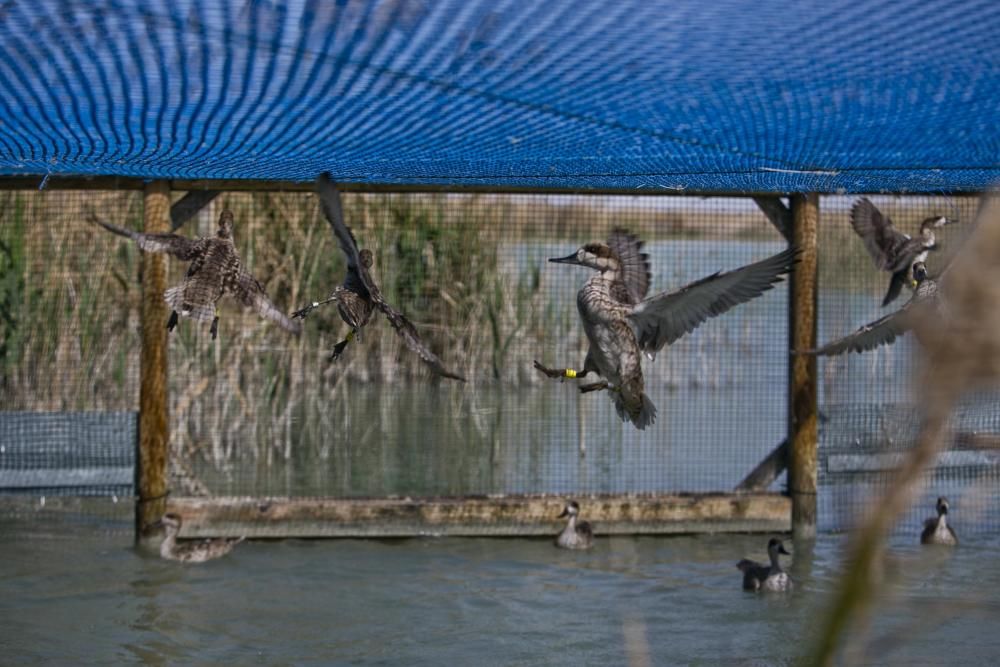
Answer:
(732, 96)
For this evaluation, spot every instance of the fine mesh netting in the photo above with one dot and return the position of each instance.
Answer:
(630, 95)
(869, 417)
(259, 413)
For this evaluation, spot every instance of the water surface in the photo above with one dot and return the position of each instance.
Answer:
(430, 601)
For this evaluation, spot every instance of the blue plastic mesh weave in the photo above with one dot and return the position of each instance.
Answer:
(734, 95)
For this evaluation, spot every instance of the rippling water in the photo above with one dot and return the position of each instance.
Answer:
(675, 600)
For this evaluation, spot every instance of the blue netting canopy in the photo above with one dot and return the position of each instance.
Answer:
(688, 95)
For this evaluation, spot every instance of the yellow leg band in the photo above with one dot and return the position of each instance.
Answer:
(570, 373)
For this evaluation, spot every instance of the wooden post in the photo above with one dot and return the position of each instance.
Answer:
(154, 432)
(803, 410)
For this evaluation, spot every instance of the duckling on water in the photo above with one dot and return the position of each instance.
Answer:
(576, 534)
(936, 529)
(620, 322)
(193, 551)
(758, 577)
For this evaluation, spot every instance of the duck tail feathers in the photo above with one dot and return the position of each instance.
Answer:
(641, 415)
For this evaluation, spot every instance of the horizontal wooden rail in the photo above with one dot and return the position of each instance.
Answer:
(248, 185)
(501, 515)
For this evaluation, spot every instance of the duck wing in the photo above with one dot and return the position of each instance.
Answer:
(408, 333)
(250, 293)
(884, 330)
(634, 265)
(663, 318)
(884, 243)
(180, 247)
(330, 201)
(333, 210)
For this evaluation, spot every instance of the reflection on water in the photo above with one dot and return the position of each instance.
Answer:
(474, 601)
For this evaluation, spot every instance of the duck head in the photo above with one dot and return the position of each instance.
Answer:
(597, 256)
(571, 509)
(934, 222)
(225, 225)
(942, 506)
(775, 547)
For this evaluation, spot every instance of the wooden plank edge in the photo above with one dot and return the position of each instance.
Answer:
(485, 516)
(767, 471)
(57, 182)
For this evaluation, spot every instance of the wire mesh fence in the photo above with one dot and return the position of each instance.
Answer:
(257, 412)
(868, 413)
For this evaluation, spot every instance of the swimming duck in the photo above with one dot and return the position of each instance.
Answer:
(892, 250)
(885, 330)
(576, 535)
(620, 321)
(936, 529)
(359, 296)
(757, 577)
(215, 271)
(193, 551)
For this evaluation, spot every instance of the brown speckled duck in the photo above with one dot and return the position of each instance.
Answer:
(191, 551)
(622, 323)
(359, 296)
(215, 270)
(890, 249)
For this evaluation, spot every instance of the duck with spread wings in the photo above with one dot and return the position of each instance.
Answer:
(891, 249)
(621, 322)
(215, 270)
(359, 296)
(884, 331)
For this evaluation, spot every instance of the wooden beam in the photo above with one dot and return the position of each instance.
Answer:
(777, 213)
(154, 431)
(506, 515)
(802, 400)
(189, 205)
(249, 185)
(768, 470)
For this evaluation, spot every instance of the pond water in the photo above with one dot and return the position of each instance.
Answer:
(639, 601)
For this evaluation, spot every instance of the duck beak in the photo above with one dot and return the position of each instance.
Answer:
(782, 550)
(565, 512)
(570, 259)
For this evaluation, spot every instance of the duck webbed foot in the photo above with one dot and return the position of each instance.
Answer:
(302, 312)
(172, 322)
(560, 373)
(594, 386)
(338, 349)
(214, 330)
